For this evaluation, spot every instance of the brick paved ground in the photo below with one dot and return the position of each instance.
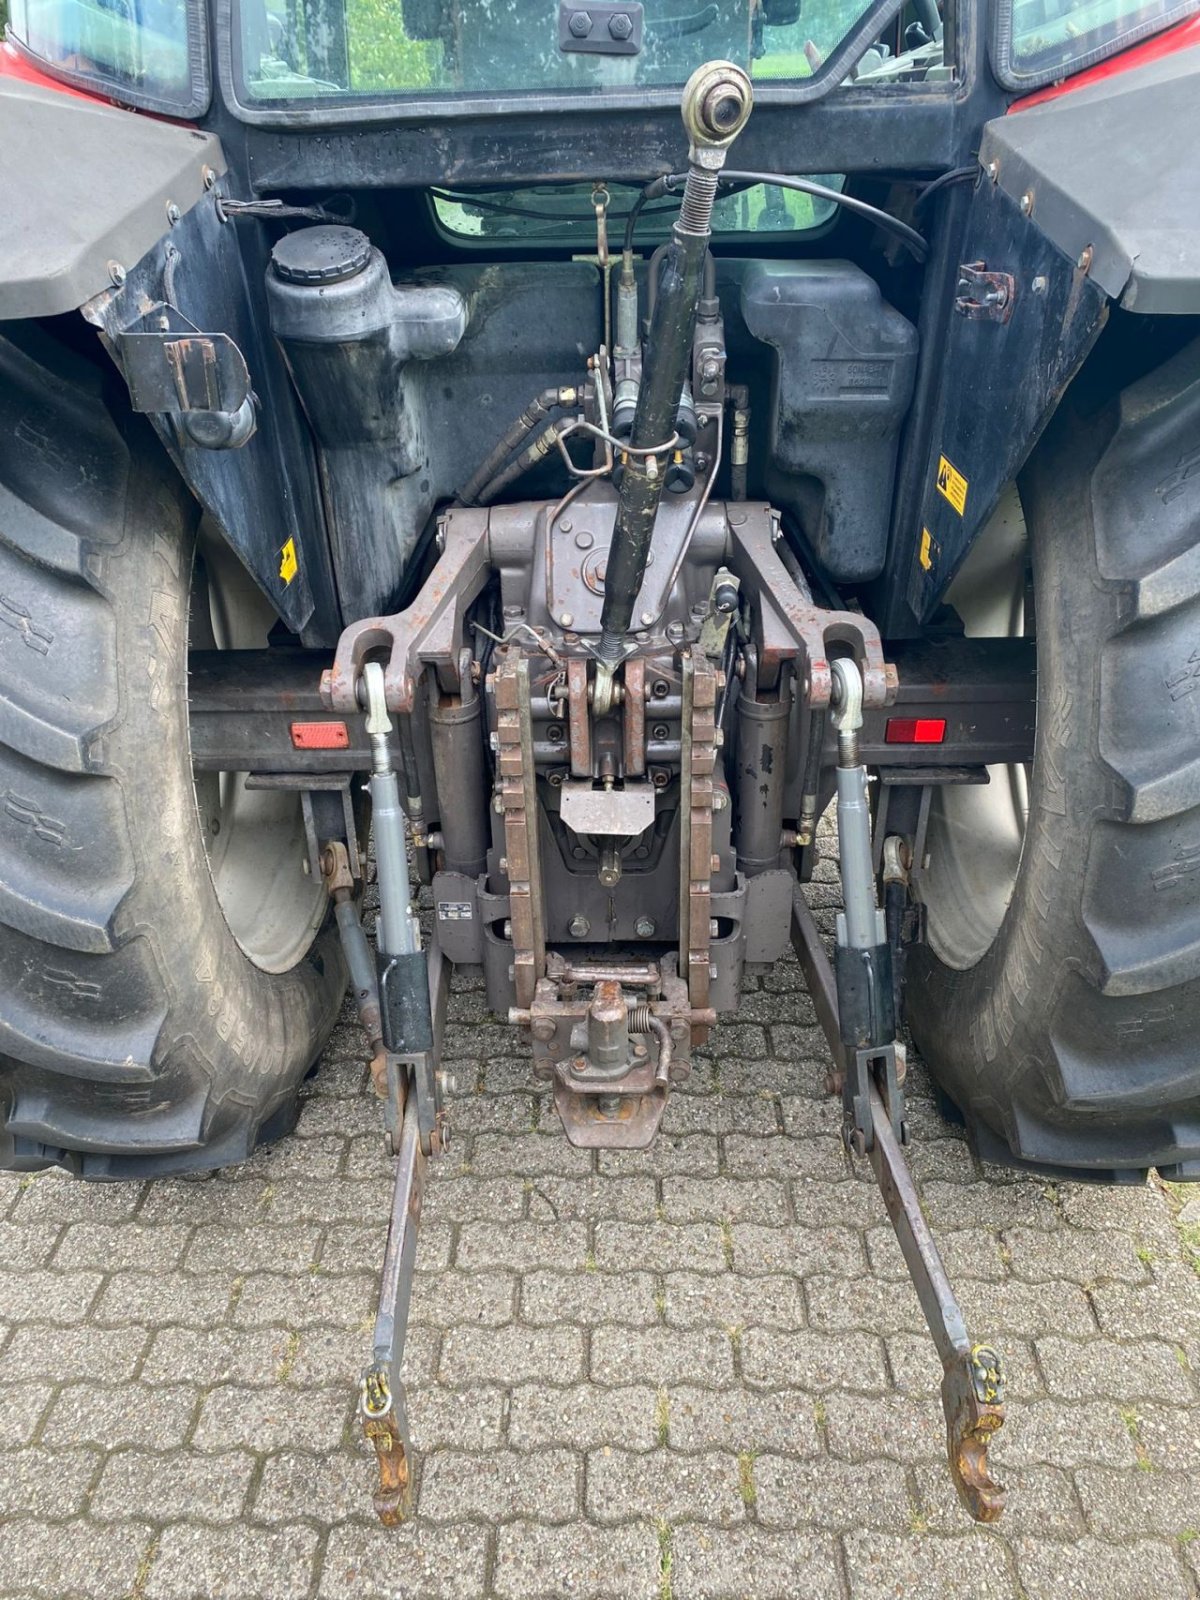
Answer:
(695, 1372)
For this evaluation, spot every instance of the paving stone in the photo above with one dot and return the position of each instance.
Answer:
(44, 1295)
(305, 1299)
(822, 1159)
(583, 1417)
(739, 1420)
(102, 1561)
(661, 1246)
(1149, 1370)
(589, 1298)
(237, 1563)
(493, 1113)
(725, 1199)
(797, 1248)
(272, 1419)
(534, 1562)
(511, 1355)
(26, 1245)
(159, 1300)
(328, 1488)
(965, 1253)
(497, 1485)
(842, 1203)
(720, 1113)
(79, 1351)
(1088, 1567)
(46, 1483)
(154, 1415)
(183, 1485)
(728, 1299)
(734, 1563)
(839, 1305)
(1125, 1505)
(1041, 1501)
(465, 1198)
(990, 1205)
(900, 1429)
(215, 1355)
(109, 1246)
(208, 1200)
(591, 1198)
(257, 1248)
(297, 1201)
(922, 1567)
(442, 1418)
(1147, 1311)
(660, 1356)
(545, 1154)
(1082, 1256)
(833, 1496)
(1055, 1433)
(804, 1359)
(692, 1155)
(54, 1197)
(522, 1246)
(1026, 1309)
(664, 1485)
(443, 1299)
(22, 1406)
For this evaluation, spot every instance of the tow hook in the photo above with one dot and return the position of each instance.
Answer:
(854, 1002)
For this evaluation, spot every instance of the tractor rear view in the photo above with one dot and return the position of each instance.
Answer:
(574, 449)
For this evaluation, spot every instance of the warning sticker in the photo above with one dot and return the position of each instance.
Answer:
(928, 550)
(454, 910)
(288, 565)
(952, 485)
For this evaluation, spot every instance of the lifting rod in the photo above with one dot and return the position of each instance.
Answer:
(854, 1009)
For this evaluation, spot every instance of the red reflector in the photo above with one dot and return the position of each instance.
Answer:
(915, 730)
(320, 736)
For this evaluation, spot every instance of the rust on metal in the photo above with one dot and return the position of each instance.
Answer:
(790, 626)
(428, 633)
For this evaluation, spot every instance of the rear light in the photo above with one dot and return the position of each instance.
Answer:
(320, 736)
(915, 730)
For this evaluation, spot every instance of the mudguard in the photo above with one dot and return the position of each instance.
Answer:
(1108, 172)
(86, 185)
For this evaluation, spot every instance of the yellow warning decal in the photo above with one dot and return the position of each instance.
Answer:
(288, 565)
(952, 485)
(928, 549)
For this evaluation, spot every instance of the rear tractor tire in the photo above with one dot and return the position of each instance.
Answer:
(1057, 998)
(140, 1033)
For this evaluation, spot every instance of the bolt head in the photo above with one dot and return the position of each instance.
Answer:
(209, 177)
(580, 24)
(647, 618)
(644, 927)
(566, 525)
(566, 619)
(620, 26)
(1027, 203)
(116, 273)
(173, 212)
(579, 927)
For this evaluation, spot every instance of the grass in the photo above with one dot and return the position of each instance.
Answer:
(662, 1418)
(746, 1486)
(1133, 1426)
(664, 1560)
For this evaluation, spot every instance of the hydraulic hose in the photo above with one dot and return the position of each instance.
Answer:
(536, 411)
(716, 104)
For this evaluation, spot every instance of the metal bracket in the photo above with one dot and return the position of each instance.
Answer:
(601, 27)
(984, 296)
(171, 367)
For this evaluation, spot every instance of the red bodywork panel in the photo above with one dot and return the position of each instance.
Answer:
(1183, 36)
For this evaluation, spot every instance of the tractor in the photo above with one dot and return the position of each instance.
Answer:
(542, 458)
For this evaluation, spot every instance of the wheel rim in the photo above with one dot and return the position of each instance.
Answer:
(254, 838)
(976, 832)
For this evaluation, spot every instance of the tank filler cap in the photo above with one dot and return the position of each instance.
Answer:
(321, 255)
